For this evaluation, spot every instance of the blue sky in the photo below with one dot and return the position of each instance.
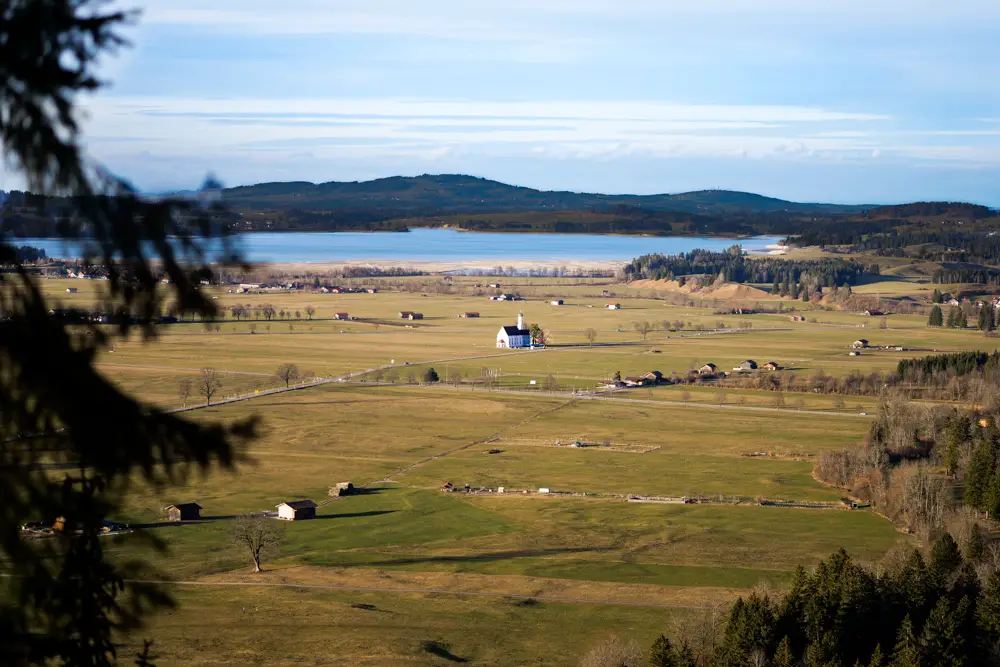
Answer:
(846, 101)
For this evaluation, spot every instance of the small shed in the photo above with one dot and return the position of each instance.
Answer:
(405, 314)
(748, 365)
(183, 512)
(860, 344)
(71, 290)
(771, 366)
(707, 369)
(415, 316)
(556, 302)
(297, 510)
(341, 316)
(469, 315)
(614, 306)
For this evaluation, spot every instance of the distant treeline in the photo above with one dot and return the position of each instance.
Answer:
(885, 239)
(27, 253)
(734, 266)
(955, 364)
(966, 274)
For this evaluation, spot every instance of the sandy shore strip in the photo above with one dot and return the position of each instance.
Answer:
(443, 266)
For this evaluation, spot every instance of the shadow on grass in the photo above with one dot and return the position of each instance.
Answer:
(174, 524)
(441, 651)
(479, 558)
(354, 515)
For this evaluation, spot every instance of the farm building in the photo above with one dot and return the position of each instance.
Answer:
(341, 316)
(494, 285)
(71, 290)
(855, 353)
(409, 315)
(556, 302)
(707, 369)
(633, 381)
(183, 512)
(748, 365)
(860, 344)
(297, 510)
(771, 366)
(514, 337)
(614, 306)
(874, 313)
(469, 315)
(655, 377)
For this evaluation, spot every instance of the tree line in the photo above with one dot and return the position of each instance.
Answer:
(925, 369)
(733, 266)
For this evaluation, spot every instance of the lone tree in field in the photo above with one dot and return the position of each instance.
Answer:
(310, 311)
(537, 334)
(642, 328)
(268, 311)
(431, 376)
(184, 388)
(591, 335)
(209, 384)
(257, 534)
(287, 373)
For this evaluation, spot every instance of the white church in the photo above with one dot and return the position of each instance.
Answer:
(514, 337)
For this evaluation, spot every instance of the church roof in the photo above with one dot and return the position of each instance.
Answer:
(514, 331)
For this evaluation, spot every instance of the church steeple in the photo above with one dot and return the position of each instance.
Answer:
(520, 321)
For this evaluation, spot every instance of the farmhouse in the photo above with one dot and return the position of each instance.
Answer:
(409, 315)
(297, 510)
(746, 366)
(860, 344)
(771, 366)
(707, 369)
(341, 316)
(636, 381)
(556, 302)
(514, 337)
(183, 512)
(341, 489)
(874, 313)
(614, 306)
(469, 315)
(654, 377)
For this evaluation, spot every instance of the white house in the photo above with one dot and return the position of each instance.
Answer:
(514, 337)
(614, 306)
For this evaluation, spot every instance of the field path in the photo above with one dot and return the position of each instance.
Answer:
(418, 591)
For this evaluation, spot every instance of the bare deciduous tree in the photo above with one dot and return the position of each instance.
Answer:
(614, 652)
(287, 373)
(209, 383)
(184, 388)
(310, 311)
(642, 328)
(591, 335)
(257, 534)
(268, 311)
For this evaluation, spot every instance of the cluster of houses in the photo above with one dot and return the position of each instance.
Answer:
(864, 344)
(747, 366)
(257, 288)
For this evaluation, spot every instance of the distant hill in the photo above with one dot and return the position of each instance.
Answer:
(449, 194)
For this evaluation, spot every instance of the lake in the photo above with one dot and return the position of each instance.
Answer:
(448, 245)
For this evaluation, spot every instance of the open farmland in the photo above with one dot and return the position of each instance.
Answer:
(581, 558)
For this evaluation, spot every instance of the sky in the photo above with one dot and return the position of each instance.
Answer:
(848, 101)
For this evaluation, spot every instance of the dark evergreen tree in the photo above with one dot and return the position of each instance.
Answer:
(936, 296)
(946, 558)
(877, 659)
(979, 478)
(936, 318)
(662, 653)
(906, 653)
(942, 643)
(985, 319)
(783, 656)
(976, 546)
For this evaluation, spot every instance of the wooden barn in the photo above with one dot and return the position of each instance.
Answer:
(297, 510)
(183, 512)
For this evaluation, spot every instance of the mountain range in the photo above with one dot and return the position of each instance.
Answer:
(451, 193)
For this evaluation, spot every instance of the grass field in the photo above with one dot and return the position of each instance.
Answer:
(575, 554)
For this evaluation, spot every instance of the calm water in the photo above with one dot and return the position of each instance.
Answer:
(436, 245)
